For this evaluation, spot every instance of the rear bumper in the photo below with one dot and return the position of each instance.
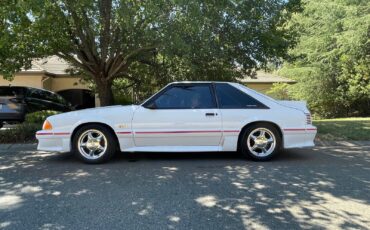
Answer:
(53, 141)
(299, 137)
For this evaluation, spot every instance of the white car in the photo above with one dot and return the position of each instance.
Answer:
(184, 117)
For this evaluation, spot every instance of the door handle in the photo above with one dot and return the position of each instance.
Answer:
(211, 114)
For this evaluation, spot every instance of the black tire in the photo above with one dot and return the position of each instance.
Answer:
(1, 124)
(111, 149)
(245, 150)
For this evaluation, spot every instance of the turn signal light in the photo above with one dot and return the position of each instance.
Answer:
(47, 125)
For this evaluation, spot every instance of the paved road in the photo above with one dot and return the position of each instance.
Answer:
(325, 187)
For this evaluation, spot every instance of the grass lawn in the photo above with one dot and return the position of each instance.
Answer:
(355, 129)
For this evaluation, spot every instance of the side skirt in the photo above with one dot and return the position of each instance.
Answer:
(174, 149)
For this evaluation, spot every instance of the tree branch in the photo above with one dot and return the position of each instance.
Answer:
(82, 35)
(123, 65)
(76, 62)
(105, 21)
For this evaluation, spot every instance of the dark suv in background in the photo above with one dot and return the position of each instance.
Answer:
(17, 101)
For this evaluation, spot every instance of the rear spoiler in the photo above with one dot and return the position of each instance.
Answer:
(300, 105)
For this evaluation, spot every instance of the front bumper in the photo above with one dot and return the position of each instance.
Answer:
(53, 141)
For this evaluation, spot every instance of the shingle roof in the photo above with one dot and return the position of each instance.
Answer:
(56, 66)
(52, 65)
(263, 77)
(35, 68)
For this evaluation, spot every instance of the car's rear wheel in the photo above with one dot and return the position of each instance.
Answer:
(260, 141)
(94, 144)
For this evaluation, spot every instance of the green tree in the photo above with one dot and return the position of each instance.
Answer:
(331, 61)
(106, 40)
(279, 91)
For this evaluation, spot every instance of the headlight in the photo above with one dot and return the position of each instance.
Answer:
(47, 125)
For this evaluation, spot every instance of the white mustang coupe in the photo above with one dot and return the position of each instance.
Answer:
(184, 117)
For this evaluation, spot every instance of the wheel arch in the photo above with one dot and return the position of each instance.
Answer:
(279, 129)
(94, 123)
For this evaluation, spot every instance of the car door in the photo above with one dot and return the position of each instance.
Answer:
(35, 100)
(43, 100)
(59, 103)
(179, 115)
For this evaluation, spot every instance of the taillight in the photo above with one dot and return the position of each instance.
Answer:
(308, 119)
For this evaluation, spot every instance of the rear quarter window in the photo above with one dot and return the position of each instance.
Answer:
(230, 97)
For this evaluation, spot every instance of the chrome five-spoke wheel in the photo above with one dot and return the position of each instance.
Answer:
(92, 144)
(261, 142)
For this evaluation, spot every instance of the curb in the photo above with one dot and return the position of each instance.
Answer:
(5, 146)
(28, 146)
(320, 143)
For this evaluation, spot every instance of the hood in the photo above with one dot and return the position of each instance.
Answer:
(300, 105)
(98, 111)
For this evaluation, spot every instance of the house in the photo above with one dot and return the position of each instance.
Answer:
(263, 81)
(50, 74)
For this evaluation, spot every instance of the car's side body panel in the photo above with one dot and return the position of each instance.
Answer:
(141, 129)
(188, 127)
(118, 118)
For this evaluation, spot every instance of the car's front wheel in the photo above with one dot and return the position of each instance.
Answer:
(94, 144)
(260, 142)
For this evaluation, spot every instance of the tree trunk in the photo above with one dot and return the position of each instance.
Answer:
(105, 93)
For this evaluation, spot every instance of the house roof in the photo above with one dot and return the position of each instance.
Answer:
(51, 65)
(263, 77)
(57, 66)
(34, 69)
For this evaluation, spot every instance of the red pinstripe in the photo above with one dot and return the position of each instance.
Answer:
(124, 132)
(45, 134)
(184, 131)
(310, 129)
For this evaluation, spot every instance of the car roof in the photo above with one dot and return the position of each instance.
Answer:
(197, 82)
(200, 82)
(11, 86)
(25, 87)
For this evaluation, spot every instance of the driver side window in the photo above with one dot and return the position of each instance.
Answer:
(186, 97)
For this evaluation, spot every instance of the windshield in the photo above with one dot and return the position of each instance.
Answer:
(143, 101)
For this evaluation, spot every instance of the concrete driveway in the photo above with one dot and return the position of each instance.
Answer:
(324, 187)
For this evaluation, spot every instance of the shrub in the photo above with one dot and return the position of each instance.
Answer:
(120, 99)
(39, 117)
(25, 132)
(21, 133)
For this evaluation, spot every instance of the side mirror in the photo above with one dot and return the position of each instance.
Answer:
(151, 105)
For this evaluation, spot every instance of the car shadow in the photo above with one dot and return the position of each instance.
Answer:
(285, 155)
